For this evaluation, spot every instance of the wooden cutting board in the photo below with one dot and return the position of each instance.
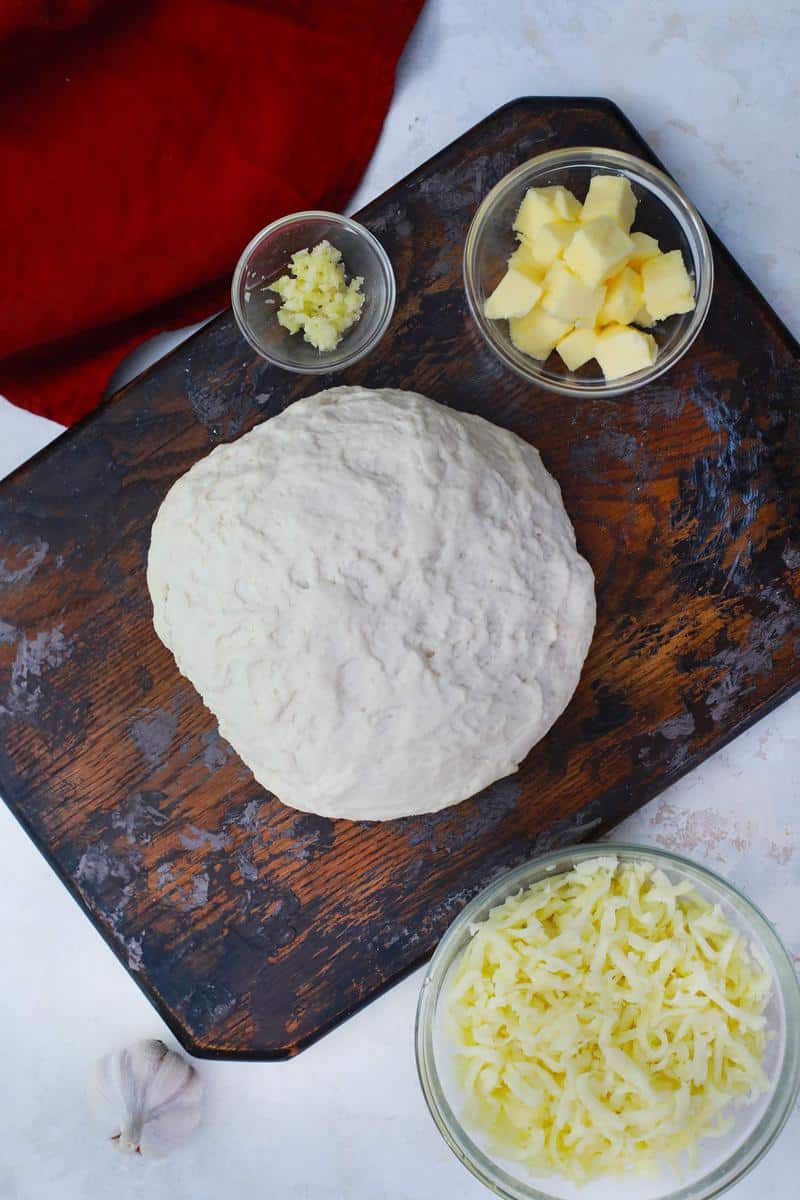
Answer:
(254, 928)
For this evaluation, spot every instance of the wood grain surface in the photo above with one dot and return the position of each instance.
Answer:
(254, 928)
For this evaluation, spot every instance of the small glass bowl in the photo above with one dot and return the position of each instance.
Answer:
(722, 1161)
(267, 257)
(663, 211)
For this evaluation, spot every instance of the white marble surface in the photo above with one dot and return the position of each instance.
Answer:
(713, 86)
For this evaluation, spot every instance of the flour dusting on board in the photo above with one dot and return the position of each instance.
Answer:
(152, 735)
(34, 655)
(36, 554)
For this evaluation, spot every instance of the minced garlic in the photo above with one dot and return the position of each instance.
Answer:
(317, 298)
(603, 1020)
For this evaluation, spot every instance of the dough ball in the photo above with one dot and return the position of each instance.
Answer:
(378, 597)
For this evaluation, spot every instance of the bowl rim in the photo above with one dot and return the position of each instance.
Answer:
(654, 180)
(786, 1089)
(331, 360)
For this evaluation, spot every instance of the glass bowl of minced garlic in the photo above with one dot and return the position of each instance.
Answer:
(588, 271)
(313, 292)
(609, 1021)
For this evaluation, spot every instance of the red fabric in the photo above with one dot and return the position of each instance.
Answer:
(141, 146)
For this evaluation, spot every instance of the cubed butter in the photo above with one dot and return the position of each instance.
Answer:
(522, 260)
(514, 296)
(623, 299)
(537, 333)
(621, 350)
(541, 205)
(668, 286)
(581, 282)
(565, 296)
(550, 241)
(644, 247)
(577, 348)
(597, 251)
(610, 196)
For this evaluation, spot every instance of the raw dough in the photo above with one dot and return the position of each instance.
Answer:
(378, 597)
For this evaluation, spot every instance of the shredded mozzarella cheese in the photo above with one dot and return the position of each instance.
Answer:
(603, 1019)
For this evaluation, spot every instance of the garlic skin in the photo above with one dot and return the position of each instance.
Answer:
(147, 1098)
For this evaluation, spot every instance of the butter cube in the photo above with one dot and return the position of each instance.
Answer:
(621, 350)
(522, 260)
(668, 287)
(645, 318)
(537, 333)
(610, 196)
(623, 300)
(567, 207)
(567, 298)
(550, 241)
(541, 205)
(514, 296)
(644, 247)
(577, 348)
(598, 250)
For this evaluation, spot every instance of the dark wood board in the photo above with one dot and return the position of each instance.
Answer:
(254, 928)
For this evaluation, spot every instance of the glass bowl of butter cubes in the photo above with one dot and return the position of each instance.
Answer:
(588, 271)
(313, 292)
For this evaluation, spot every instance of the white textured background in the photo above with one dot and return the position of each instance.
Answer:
(714, 87)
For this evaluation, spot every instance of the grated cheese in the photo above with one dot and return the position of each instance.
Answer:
(603, 1020)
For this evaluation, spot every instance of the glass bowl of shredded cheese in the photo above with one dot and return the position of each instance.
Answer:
(609, 1021)
(313, 292)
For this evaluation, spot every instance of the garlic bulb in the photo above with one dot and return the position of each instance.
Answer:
(147, 1098)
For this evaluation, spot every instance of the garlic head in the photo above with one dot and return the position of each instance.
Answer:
(147, 1098)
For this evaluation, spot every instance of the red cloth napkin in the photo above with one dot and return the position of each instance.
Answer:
(141, 146)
